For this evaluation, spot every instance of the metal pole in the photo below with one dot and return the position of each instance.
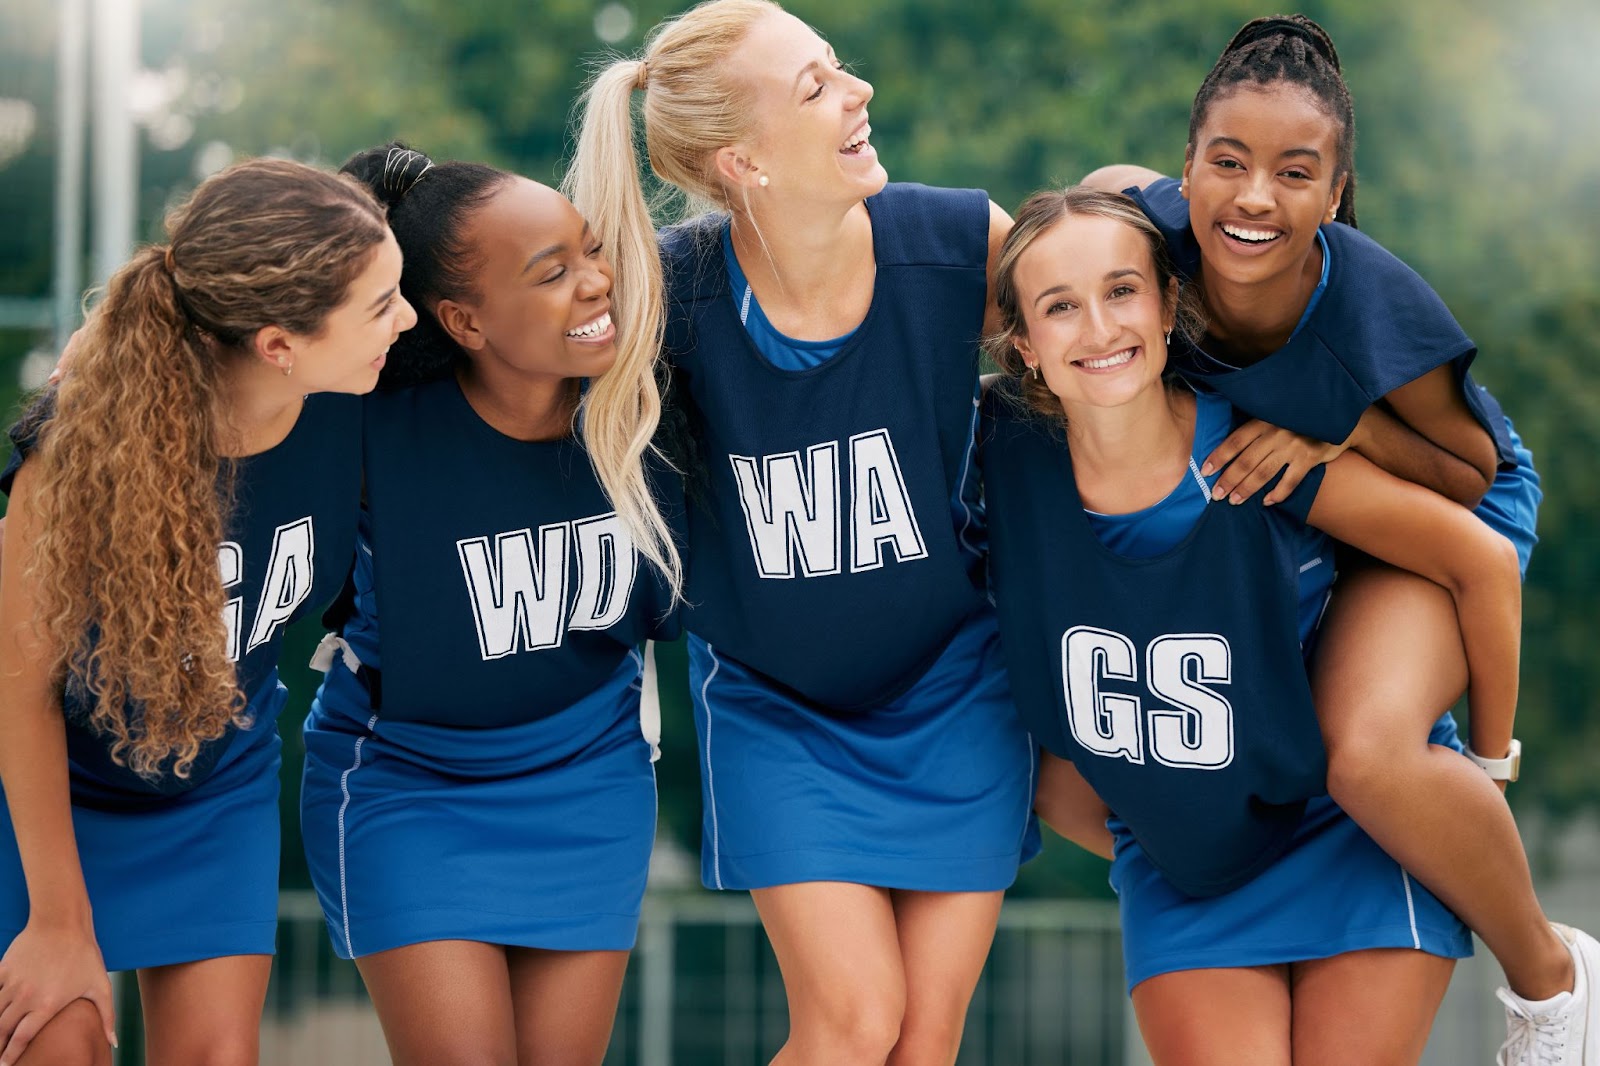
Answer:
(71, 107)
(657, 933)
(116, 148)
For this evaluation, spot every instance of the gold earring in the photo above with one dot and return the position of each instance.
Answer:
(288, 368)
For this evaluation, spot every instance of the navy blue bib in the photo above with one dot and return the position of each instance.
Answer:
(1378, 326)
(290, 540)
(822, 550)
(1175, 684)
(507, 589)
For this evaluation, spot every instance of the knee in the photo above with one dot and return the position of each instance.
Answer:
(74, 1037)
(858, 1028)
(1355, 770)
(931, 1039)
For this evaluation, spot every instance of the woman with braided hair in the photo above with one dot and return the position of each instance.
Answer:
(1332, 344)
(197, 465)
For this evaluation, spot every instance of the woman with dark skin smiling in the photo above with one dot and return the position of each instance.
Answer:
(479, 801)
(1323, 337)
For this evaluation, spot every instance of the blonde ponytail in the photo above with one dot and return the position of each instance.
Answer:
(623, 406)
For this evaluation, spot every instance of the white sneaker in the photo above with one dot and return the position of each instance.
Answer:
(1565, 1029)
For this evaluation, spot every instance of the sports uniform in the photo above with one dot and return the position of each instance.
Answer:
(853, 718)
(182, 869)
(1161, 652)
(475, 767)
(1375, 326)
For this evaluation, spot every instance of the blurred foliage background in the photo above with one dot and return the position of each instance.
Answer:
(1478, 158)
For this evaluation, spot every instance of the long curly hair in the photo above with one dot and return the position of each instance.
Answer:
(133, 492)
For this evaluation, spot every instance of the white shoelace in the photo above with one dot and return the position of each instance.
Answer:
(1531, 1039)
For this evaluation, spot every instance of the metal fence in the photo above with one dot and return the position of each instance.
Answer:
(703, 989)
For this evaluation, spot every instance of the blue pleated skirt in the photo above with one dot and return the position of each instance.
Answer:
(1332, 892)
(535, 835)
(177, 878)
(932, 792)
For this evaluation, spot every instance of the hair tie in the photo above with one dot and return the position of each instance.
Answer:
(396, 164)
(643, 79)
(172, 267)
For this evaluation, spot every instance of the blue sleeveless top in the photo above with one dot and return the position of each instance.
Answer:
(1175, 682)
(290, 539)
(835, 538)
(506, 586)
(1377, 326)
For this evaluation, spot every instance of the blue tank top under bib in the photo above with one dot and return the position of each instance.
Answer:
(1377, 326)
(835, 543)
(290, 539)
(507, 587)
(1174, 683)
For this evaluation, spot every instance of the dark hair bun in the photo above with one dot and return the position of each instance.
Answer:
(1286, 26)
(389, 170)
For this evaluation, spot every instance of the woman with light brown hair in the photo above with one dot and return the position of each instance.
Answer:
(863, 771)
(191, 469)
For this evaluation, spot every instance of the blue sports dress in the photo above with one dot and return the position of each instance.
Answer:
(1161, 652)
(854, 719)
(475, 766)
(182, 869)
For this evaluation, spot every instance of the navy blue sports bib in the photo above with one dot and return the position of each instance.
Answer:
(507, 588)
(291, 536)
(831, 547)
(1174, 683)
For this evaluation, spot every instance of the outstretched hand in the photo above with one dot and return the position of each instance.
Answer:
(1254, 454)
(43, 970)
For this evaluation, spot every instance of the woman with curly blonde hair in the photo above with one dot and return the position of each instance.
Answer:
(189, 470)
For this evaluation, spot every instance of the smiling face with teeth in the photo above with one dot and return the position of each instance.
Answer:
(810, 135)
(540, 298)
(1094, 315)
(1262, 174)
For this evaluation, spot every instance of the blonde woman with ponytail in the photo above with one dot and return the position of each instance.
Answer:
(186, 491)
(479, 798)
(864, 773)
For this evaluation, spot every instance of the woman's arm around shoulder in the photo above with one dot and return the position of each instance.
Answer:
(1416, 529)
(55, 959)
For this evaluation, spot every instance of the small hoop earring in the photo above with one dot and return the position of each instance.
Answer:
(1033, 371)
(763, 181)
(288, 369)
(1169, 336)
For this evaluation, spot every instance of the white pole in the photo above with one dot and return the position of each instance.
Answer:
(116, 148)
(71, 106)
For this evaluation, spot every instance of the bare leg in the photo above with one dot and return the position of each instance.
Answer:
(1436, 813)
(74, 1037)
(565, 1004)
(205, 1013)
(1373, 1007)
(1232, 1017)
(840, 956)
(944, 940)
(444, 1002)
